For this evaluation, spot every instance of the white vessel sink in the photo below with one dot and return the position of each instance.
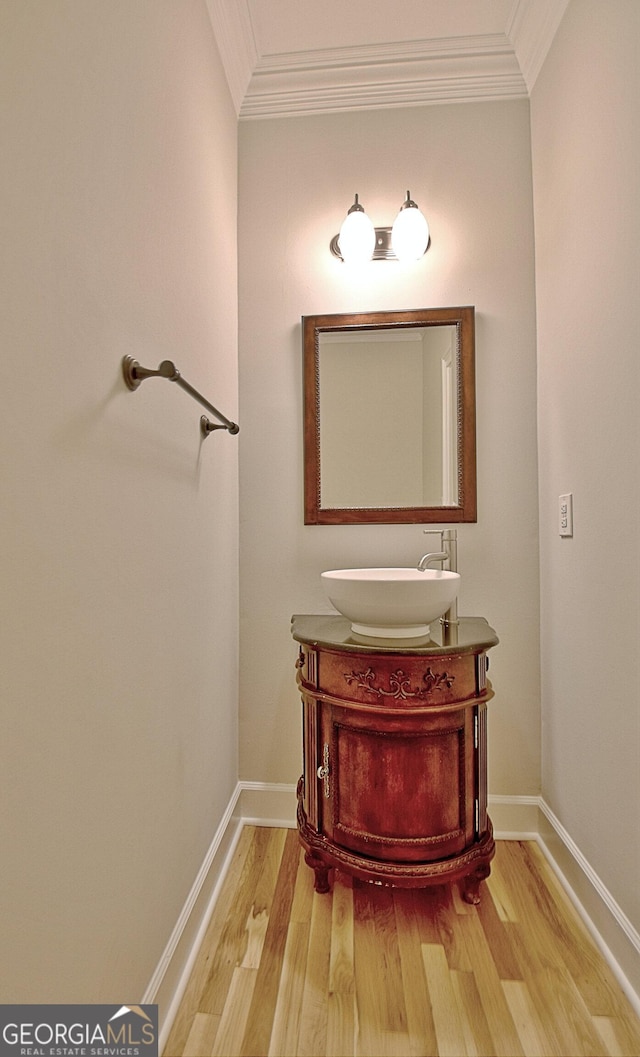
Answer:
(391, 603)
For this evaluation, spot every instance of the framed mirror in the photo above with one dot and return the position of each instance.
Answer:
(389, 417)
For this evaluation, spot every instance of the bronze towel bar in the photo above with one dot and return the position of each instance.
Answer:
(134, 374)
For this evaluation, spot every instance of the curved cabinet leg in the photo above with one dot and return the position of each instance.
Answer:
(321, 871)
(471, 883)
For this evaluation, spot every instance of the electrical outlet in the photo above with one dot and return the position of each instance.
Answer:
(565, 513)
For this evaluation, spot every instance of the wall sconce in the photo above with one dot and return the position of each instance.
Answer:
(359, 241)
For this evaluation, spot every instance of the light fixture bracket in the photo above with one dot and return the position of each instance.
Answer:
(382, 251)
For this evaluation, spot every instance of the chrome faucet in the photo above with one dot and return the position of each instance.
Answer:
(432, 556)
(448, 554)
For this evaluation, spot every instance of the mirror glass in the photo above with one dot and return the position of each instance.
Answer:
(389, 415)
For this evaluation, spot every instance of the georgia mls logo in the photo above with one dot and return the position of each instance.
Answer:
(147, 1030)
(79, 1031)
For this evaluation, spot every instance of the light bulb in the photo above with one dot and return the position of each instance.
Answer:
(357, 238)
(410, 232)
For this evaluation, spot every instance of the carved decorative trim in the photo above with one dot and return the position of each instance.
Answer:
(312, 667)
(402, 874)
(400, 684)
(410, 842)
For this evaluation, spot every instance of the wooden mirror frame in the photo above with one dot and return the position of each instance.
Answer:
(466, 509)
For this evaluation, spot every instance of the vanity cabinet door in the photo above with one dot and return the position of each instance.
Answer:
(395, 787)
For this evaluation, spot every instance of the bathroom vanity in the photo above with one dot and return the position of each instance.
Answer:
(394, 786)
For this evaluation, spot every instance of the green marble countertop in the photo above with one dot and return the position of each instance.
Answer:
(471, 635)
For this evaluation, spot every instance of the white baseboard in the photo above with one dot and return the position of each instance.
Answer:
(263, 804)
(513, 817)
(612, 931)
(170, 979)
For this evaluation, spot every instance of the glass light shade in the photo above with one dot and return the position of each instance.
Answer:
(410, 234)
(357, 238)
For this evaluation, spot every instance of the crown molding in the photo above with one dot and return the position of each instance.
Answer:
(531, 29)
(233, 32)
(411, 73)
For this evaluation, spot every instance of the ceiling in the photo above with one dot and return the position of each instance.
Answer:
(288, 57)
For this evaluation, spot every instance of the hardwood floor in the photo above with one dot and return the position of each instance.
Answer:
(379, 972)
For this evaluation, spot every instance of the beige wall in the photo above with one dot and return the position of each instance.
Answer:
(119, 553)
(469, 169)
(118, 564)
(586, 162)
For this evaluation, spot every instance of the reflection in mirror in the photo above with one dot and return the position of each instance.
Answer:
(388, 409)
(390, 417)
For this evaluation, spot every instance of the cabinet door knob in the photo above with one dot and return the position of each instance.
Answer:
(323, 771)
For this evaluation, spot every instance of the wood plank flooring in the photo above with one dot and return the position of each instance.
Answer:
(377, 972)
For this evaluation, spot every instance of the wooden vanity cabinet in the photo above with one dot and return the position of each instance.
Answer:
(394, 786)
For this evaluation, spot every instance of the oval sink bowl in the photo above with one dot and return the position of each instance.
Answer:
(391, 603)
